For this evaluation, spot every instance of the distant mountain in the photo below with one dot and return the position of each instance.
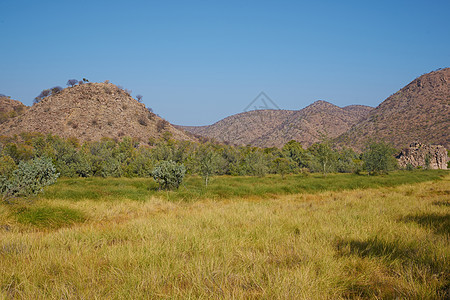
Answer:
(10, 108)
(418, 112)
(274, 128)
(89, 112)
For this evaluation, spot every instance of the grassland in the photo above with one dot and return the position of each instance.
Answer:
(340, 236)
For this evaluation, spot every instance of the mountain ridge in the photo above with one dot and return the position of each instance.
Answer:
(274, 128)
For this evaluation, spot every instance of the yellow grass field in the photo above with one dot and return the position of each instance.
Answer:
(387, 242)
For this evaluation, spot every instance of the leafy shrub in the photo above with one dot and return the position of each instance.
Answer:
(169, 175)
(111, 168)
(409, 167)
(161, 125)
(7, 166)
(29, 178)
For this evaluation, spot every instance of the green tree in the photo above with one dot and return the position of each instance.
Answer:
(255, 163)
(207, 162)
(281, 166)
(295, 151)
(378, 157)
(324, 156)
(169, 175)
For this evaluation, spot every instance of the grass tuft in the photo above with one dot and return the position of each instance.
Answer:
(48, 216)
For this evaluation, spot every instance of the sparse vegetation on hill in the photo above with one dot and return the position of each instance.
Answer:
(10, 108)
(274, 128)
(91, 111)
(418, 112)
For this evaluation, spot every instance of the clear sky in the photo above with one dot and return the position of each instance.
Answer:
(196, 62)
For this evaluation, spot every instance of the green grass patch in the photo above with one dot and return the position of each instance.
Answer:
(225, 187)
(48, 216)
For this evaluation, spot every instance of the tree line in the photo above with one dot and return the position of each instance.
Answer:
(131, 158)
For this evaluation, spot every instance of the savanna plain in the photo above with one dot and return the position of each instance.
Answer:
(298, 237)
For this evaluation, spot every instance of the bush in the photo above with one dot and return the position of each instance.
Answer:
(7, 166)
(29, 178)
(169, 175)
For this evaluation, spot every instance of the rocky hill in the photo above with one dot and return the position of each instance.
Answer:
(274, 128)
(10, 108)
(418, 112)
(89, 112)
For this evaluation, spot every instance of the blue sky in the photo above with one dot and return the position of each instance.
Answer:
(196, 62)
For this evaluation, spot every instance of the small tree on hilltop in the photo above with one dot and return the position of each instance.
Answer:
(378, 157)
(42, 95)
(72, 82)
(56, 90)
(139, 98)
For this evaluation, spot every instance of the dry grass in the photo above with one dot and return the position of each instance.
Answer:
(390, 242)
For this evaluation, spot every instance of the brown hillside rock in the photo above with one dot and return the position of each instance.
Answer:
(417, 155)
(309, 124)
(274, 128)
(90, 112)
(418, 112)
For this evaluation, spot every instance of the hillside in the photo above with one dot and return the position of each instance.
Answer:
(243, 128)
(89, 112)
(418, 112)
(10, 108)
(274, 128)
(309, 124)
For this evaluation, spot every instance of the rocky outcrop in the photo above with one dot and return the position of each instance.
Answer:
(426, 156)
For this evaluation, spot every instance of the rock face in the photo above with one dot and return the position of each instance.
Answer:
(431, 156)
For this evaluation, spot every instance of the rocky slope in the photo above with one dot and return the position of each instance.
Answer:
(274, 128)
(10, 108)
(92, 111)
(418, 112)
